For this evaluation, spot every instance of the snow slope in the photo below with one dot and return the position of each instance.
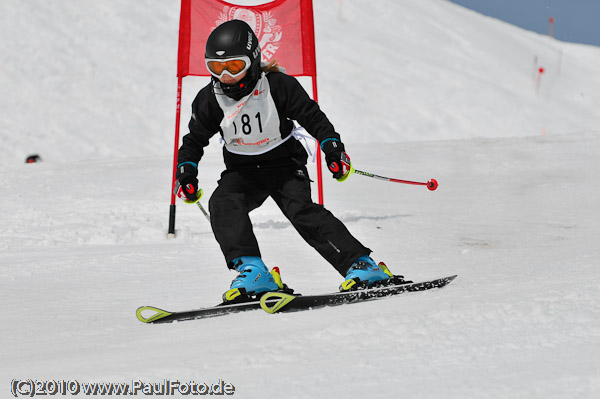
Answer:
(83, 239)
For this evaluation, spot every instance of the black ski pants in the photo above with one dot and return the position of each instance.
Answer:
(240, 192)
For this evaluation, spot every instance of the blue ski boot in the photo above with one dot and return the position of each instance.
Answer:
(254, 278)
(364, 273)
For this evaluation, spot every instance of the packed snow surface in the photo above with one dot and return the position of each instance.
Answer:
(417, 90)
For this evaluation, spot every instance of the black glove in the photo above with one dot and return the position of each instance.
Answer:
(186, 186)
(338, 162)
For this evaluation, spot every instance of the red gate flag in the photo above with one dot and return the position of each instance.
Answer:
(284, 29)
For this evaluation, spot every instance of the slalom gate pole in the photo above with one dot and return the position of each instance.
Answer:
(172, 208)
(431, 184)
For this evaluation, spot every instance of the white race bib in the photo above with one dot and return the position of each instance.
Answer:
(250, 125)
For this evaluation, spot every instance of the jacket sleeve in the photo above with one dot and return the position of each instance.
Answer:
(294, 103)
(204, 123)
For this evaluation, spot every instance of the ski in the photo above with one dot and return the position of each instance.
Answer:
(158, 316)
(274, 302)
(234, 301)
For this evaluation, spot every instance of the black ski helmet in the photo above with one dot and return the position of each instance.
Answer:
(235, 38)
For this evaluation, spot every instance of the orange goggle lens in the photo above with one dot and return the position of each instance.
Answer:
(234, 67)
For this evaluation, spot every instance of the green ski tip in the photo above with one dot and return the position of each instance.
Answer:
(158, 315)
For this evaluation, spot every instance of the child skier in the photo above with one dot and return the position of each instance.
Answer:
(252, 107)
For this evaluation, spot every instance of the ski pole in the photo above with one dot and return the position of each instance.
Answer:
(431, 184)
(177, 191)
(203, 210)
(199, 195)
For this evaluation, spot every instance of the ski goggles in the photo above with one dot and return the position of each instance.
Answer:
(233, 67)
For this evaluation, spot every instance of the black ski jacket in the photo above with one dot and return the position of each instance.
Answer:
(292, 103)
